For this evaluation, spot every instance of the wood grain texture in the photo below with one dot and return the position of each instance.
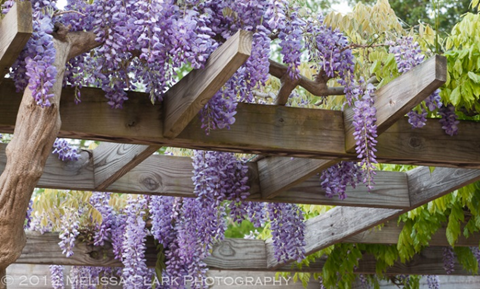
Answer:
(342, 222)
(15, 30)
(278, 174)
(172, 176)
(259, 129)
(186, 98)
(390, 191)
(398, 97)
(228, 255)
(425, 186)
(430, 145)
(111, 161)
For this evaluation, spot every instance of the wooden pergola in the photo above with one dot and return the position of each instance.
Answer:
(315, 138)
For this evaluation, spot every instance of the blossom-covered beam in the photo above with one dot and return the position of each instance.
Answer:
(229, 255)
(168, 175)
(259, 129)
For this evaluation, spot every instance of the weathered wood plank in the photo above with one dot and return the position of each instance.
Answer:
(278, 174)
(389, 191)
(398, 97)
(168, 175)
(429, 145)
(185, 99)
(342, 222)
(15, 30)
(229, 255)
(112, 161)
(278, 130)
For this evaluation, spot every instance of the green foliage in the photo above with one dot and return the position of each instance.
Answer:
(160, 264)
(466, 258)
(440, 14)
(462, 88)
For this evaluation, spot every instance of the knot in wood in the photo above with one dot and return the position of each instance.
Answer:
(226, 250)
(415, 142)
(150, 183)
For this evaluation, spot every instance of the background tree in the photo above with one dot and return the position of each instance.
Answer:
(442, 14)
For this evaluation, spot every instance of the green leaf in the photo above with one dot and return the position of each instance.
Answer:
(431, 169)
(473, 76)
(455, 97)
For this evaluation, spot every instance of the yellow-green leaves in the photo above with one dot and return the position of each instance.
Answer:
(462, 88)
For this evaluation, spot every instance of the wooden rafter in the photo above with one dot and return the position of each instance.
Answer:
(185, 99)
(343, 222)
(15, 30)
(167, 175)
(111, 161)
(230, 255)
(400, 96)
(259, 129)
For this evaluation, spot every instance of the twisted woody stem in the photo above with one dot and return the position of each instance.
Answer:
(35, 131)
(317, 87)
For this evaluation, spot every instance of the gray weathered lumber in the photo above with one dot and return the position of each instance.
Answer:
(185, 99)
(342, 222)
(111, 161)
(15, 30)
(277, 174)
(168, 175)
(398, 97)
(229, 255)
(278, 130)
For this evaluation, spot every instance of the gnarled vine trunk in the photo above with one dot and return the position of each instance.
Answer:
(35, 131)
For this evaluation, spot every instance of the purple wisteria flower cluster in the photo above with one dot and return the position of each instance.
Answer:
(56, 276)
(449, 120)
(103, 231)
(336, 178)
(408, 55)
(330, 50)
(365, 131)
(69, 231)
(34, 67)
(449, 260)
(288, 231)
(64, 150)
(133, 247)
(433, 282)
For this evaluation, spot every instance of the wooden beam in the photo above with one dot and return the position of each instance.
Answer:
(112, 161)
(229, 255)
(398, 97)
(15, 30)
(342, 222)
(278, 174)
(168, 175)
(186, 98)
(307, 133)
